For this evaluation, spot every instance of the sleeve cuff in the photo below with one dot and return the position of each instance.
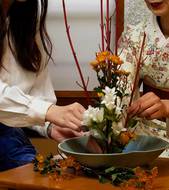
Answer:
(42, 130)
(38, 109)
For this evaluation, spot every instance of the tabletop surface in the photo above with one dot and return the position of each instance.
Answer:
(25, 178)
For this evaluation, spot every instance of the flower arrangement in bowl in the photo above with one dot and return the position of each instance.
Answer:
(116, 148)
(106, 120)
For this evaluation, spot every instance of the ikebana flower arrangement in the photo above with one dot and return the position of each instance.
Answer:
(107, 120)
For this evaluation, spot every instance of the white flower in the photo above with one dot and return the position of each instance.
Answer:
(109, 98)
(118, 106)
(93, 114)
(121, 84)
(118, 127)
(118, 110)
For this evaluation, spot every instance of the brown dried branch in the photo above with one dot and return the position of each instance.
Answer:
(102, 24)
(74, 54)
(136, 80)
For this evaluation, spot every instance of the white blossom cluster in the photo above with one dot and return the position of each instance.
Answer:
(93, 115)
(113, 103)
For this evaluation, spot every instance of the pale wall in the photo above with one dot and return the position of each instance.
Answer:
(84, 20)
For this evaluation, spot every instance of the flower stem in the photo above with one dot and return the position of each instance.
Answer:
(108, 127)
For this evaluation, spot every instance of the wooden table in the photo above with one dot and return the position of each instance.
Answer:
(25, 178)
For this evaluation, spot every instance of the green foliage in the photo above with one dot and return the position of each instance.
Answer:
(113, 175)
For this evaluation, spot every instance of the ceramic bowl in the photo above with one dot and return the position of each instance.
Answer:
(140, 151)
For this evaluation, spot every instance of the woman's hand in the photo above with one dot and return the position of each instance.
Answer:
(149, 106)
(69, 116)
(59, 133)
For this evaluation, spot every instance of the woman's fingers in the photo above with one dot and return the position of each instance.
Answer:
(150, 110)
(147, 102)
(133, 110)
(149, 106)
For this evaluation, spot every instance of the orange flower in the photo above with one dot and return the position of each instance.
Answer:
(102, 56)
(40, 158)
(105, 53)
(40, 166)
(69, 162)
(103, 65)
(95, 65)
(115, 59)
(125, 137)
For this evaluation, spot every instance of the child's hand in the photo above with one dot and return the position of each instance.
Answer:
(69, 116)
(59, 133)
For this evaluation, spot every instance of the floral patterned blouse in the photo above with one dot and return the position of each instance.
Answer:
(155, 60)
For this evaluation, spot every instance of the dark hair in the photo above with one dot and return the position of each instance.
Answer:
(24, 22)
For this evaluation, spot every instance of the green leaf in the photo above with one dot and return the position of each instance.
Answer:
(113, 177)
(108, 170)
(132, 123)
(102, 179)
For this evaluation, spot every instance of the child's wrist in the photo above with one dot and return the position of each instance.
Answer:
(49, 130)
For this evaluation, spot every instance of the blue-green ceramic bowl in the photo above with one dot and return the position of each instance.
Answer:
(141, 151)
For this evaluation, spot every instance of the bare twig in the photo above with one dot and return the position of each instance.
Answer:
(136, 80)
(107, 26)
(102, 24)
(74, 54)
(117, 27)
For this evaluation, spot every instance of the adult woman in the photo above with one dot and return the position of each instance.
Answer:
(155, 68)
(27, 96)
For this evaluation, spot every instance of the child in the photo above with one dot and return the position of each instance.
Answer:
(26, 94)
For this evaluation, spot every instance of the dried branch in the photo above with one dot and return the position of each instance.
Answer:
(74, 54)
(117, 27)
(136, 80)
(107, 25)
(102, 24)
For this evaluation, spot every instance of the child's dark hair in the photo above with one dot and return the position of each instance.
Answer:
(21, 28)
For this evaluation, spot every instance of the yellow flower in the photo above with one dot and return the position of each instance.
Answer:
(105, 53)
(40, 166)
(40, 158)
(95, 65)
(100, 94)
(102, 56)
(125, 137)
(103, 64)
(115, 59)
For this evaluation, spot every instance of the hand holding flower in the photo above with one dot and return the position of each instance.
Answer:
(69, 116)
(149, 106)
(59, 133)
